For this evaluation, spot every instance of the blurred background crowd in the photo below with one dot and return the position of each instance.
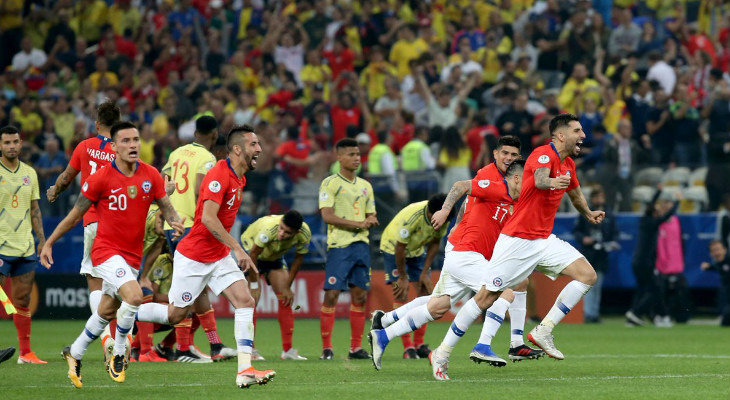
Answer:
(425, 87)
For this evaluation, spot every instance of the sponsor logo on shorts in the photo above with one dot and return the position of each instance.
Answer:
(543, 159)
(497, 282)
(483, 183)
(146, 186)
(187, 297)
(214, 186)
(121, 272)
(331, 280)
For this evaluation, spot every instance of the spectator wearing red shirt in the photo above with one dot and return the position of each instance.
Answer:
(341, 58)
(477, 139)
(293, 154)
(344, 111)
(698, 41)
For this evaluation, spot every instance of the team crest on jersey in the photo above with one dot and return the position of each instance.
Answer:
(187, 297)
(132, 191)
(364, 191)
(146, 186)
(331, 280)
(26, 180)
(214, 186)
(484, 183)
(543, 159)
(121, 272)
(497, 282)
(404, 233)
(264, 238)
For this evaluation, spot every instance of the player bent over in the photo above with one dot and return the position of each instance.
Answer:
(266, 241)
(205, 257)
(122, 194)
(405, 260)
(348, 208)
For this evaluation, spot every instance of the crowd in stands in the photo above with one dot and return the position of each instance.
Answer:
(425, 87)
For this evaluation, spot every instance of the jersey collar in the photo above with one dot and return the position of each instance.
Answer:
(347, 180)
(507, 187)
(8, 169)
(556, 150)
(228, 161)
(197, 144)
(114, 164)
(498, 170)
(104, 141)
(425, 215)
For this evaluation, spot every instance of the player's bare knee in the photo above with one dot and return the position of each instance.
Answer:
(522, 286)
(134, 299)
(330, 298)
(481, 298)
(438, 306)
(176, 314)
(508, 295)
(587, 275)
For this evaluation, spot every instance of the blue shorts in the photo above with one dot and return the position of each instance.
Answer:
(265, 267)
(348, 266)
(173, 244)
(414, 267)
(16, 266)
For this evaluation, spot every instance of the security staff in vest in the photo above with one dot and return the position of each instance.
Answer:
(416, 157)
(382, 166)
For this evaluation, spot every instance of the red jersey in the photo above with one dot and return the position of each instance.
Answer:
(341, 117)
(489, 172)
(298, 149)
(122, 203)
(88, 157)
(222, 186)
(535, 213)
(491, 208)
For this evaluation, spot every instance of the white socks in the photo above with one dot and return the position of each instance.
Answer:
(94, 299)
(94, 326)
(392, 316)
(568, 298)
(125, 323)
(464, 318)
(243, 331)
(416, 318)
(493, 320)
(153, 312)
(517, 315)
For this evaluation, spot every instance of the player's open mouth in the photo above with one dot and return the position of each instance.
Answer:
(253, 159)
(133, 153)
(578, 144)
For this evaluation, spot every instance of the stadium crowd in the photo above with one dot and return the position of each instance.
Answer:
(424, 87)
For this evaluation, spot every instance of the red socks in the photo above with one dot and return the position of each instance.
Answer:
(21, 319)
(326, 323)
(407, 342)
(182, 331)
(207, 321)
(169, 340)
(286, 324)
(418, 336)
(113, 328)
(357, 323)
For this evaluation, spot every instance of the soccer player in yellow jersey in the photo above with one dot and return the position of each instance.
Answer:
(266, 241)
(348, 208)
(19, 212)
(405, 260)
(187, 166)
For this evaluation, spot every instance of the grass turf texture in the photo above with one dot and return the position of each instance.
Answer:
(606, 361)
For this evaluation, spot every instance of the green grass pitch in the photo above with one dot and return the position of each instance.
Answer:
(606, 361)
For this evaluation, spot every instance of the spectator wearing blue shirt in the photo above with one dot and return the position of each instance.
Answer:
(49, 166)
(471, 31)
(183, 20)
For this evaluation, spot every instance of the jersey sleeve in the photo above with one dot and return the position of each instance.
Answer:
(488, 190)
(75, 162)
(158, 185)
(92, 188)
(213, 188)
(206, 164)
(35, 193)
(305, 235)
(370, 204)
(406, 230)
(326, 194)
(261, 238)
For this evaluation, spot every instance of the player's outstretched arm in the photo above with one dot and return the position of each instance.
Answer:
(36, 221)
(73, 218)
(170, 215)
(214, 225)
(459, 189)
(579, 202)
(62, 183)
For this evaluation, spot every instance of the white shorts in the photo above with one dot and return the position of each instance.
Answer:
(461, 275)
(115, 272)
(448, 247)
(514, 259)
(190, 277)
(89, 236)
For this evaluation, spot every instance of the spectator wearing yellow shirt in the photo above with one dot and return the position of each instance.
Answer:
(315, 72)
(577, 88)
(11, 30)
(405, 49)
(63, 120)
(123, 16)
(147, 144)
(454, 158)
(89, 17)
(25, 117)
(102, 71)
(373, 77)
(614, 109)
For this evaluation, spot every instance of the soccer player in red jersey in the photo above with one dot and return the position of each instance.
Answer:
(526, 242)
(205, 256)
(122, 194)
(89, 157)
(460, 276)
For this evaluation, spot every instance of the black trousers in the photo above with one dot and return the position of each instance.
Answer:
(672, 296)
(642, 303)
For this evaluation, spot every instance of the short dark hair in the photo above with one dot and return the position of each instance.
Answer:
(9, 130)
(293, 219)
(654, 55)
(119, 126)
(292, 133)
(516, 167)
(509, 140)
(383, 136)
(346, 142)
(205, 125)
(237, 132)
(436, 202)
(716, 241)
(561, 120)
(597, 189)
(108, 113)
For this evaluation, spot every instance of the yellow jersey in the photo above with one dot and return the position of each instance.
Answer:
(161, 273)
(17, 189)
(402, 52)
(411, 227)
(351, 200)
(183, 166)
(263, 233)
(150, 235)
